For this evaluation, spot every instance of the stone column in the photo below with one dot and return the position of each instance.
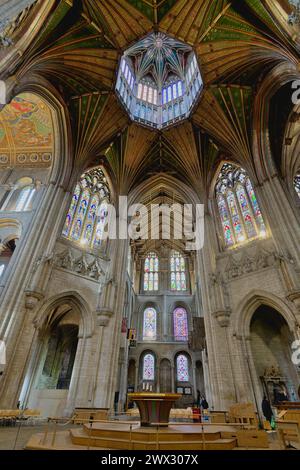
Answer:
(108, 320)
(35, 250)
(194, 381)
(173, 377)
(136, 379)
(157, 378)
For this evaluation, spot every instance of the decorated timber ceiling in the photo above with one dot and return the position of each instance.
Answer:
(78, 47)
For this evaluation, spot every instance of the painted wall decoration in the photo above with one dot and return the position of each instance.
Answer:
(26, 132)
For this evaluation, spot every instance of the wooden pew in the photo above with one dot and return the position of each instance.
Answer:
(288, 431)
(83, 414)
(243, 413)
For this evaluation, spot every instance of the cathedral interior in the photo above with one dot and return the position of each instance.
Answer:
(164, 102)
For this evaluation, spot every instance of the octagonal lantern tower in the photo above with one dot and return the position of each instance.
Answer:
(159, 81)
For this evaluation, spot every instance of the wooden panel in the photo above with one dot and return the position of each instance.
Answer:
(253, 439)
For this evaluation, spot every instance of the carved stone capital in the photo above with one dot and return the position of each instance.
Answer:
(222, 317)
(32, 299)
(103, 316)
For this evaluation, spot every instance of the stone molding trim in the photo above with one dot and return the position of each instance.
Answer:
(103, 316)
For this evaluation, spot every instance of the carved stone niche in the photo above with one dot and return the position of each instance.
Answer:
(32, 299)
(222, 317)
(103, 316)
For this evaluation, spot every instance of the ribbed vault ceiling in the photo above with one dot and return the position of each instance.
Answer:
(77, 50)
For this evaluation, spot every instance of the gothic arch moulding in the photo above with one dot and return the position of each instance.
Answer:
(250, 304)
(75, 300)
(37, 97)
(10, 229)
(279, 76)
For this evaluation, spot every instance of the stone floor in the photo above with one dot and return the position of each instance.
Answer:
(16, 437)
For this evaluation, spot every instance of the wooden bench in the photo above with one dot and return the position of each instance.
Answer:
(243, 413)
(82, 415)
(288, 431)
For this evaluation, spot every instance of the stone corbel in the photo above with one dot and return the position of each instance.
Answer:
(32, 299)
(103, 316)
(222, 317)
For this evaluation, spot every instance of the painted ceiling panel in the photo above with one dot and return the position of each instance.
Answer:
(26, 133)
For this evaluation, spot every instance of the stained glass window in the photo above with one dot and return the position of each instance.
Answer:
(238, 207)
(247, 216)
(179, 88)
(235, 217)
(180, 324)
(71, 211)
(178, 273)
(151, 272)
(225, 219)
(87, 214)
(149, 325)
(80, 216)
(101, 223)
(140, 89)
(257, 213)
(297, 184)
(182, 366)
(148, 367)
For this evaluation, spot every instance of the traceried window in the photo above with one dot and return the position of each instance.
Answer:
(148, 367)
(87, 215)
(177, 270)
(20, 197)
(182, 368)
(25, 197)
(149, 324)
(297, 184)
(151, 272)
(180, 324)
(238, 207)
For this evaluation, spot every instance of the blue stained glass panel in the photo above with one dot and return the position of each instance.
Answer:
(148, 367)
(249, 225)
(182, 368)
(71, 212)
(180, 324)
(258, 215)
(229, 240)
(149, 326)
(239, 232)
